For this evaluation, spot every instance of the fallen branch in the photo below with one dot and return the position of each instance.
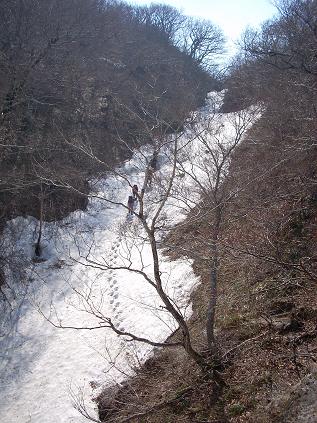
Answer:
(155, 407)
(243, 343)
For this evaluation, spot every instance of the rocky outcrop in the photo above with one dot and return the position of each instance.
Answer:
(299, 405)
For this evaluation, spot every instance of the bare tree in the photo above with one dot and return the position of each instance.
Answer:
(151, 218)
(208, 152)
(202, 41)
(287, 42)
(164, 17)
(216, 139)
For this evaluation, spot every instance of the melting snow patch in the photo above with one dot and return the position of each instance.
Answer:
(81, 284)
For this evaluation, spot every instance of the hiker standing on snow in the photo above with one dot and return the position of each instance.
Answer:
(153, 162)
(130, 204)
(135, 191)
(151, 168)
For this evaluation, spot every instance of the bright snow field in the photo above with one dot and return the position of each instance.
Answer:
(43, 367)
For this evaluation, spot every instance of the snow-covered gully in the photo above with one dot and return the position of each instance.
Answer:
(45, 369)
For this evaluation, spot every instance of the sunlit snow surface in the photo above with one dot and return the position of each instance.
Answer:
(42, 367)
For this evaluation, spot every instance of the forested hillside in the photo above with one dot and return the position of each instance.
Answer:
(84, 82)
(97, 96)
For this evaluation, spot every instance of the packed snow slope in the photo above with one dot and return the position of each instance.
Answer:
(51, 356)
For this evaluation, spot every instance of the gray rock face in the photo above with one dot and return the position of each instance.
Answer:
(300, 404)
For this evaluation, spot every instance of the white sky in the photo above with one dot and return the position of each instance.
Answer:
(232, 16)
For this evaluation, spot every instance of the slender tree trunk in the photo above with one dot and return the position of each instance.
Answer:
(212, 301)
(213, 283)
(38, 249)
(198, 358)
